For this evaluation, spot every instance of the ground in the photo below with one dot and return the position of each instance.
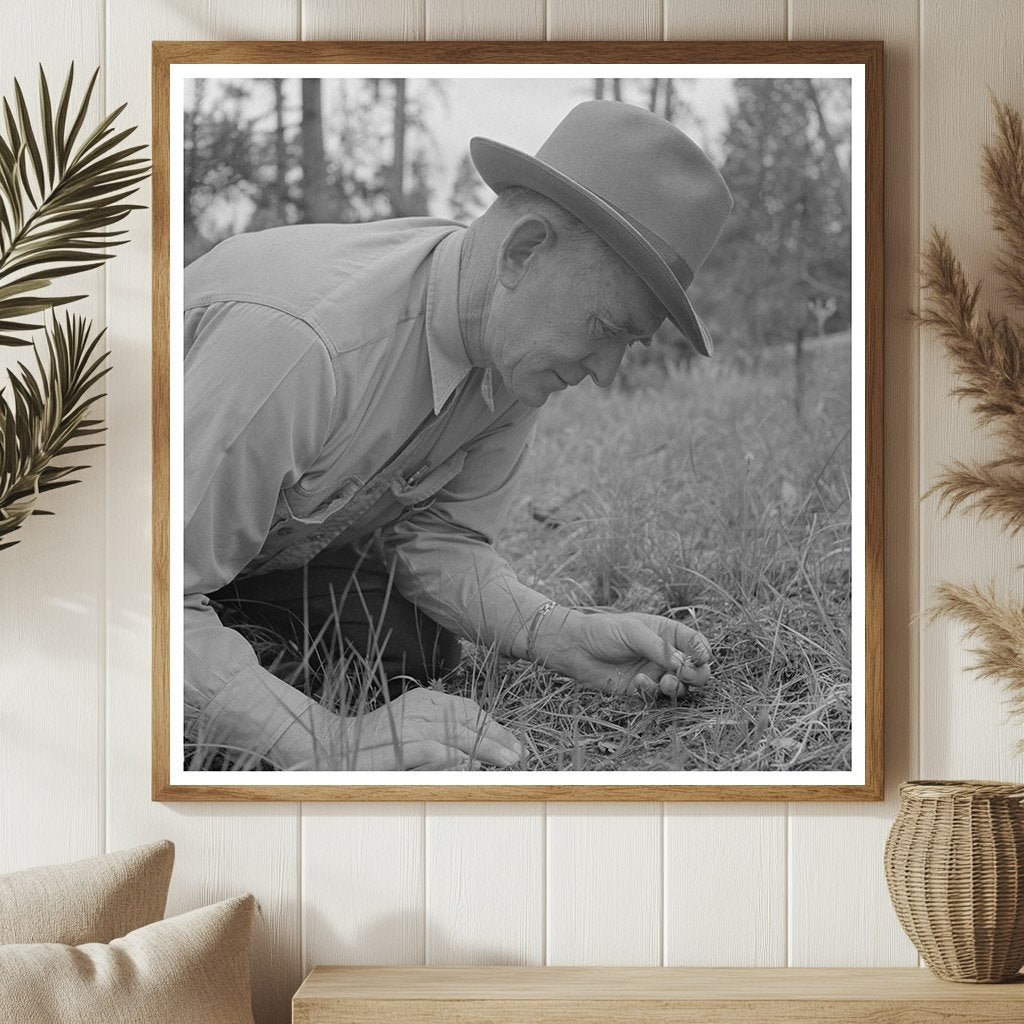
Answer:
(715, 496)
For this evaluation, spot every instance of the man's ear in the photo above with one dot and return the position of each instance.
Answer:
(527, 235)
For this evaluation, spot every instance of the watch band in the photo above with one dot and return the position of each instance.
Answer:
(534, 628)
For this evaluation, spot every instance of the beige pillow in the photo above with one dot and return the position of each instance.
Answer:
(92, 900)
(190, 969)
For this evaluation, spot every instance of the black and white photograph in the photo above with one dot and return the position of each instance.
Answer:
(517, 425)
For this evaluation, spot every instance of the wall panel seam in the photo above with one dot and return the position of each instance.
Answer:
(300, 884)
(787, 883)
(104, 602)
(916, 460)
(915, 644)
(424, 878)
(547, 886)
(300, 881)
(544, 885)
(787, 822)
(664, 887)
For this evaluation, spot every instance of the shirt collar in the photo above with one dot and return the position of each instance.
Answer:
(449, 361)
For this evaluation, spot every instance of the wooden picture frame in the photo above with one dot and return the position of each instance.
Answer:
(865, 59)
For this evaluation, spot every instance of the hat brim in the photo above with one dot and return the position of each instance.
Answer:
(502, 167)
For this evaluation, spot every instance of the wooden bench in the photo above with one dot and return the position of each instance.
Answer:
(631, 995)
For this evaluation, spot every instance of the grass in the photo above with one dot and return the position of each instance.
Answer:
(704, 497)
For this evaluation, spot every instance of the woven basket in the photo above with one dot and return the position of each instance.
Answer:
(954, 861)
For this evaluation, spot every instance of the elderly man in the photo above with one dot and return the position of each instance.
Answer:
(358, 402)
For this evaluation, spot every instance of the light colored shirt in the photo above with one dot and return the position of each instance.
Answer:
(328, 395)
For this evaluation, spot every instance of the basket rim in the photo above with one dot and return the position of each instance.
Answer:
(938, 789)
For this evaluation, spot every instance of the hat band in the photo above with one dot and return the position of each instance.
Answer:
(676, 263)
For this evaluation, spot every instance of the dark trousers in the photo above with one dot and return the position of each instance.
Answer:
(346, 595)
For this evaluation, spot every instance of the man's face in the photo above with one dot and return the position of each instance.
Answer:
(567, 319)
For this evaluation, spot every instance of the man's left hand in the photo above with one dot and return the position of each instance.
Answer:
(627, 652)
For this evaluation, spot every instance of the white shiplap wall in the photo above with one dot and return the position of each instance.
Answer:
(742, 884)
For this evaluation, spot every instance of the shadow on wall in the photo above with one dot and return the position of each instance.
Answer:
(388, 940)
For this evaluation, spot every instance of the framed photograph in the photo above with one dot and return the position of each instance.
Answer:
(517, 420)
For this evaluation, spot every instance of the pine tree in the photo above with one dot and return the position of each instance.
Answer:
(787, 241)
(469, 194)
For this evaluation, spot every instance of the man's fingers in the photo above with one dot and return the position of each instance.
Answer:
(692, 645)
(476, 720)
(450, 711)
(452, 744)
(484, 748)
(699, 648)
(489, 730)
(439, 755)
(649, 645)
(675, 683)
(644, 684)
(429, 755)
(670, 684)
(488, 735)
(469, 728)
(694, 675)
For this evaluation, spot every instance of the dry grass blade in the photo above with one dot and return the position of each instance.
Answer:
(46, 419)
(987, 355)
(59, 200)
(1003, 175)
(990, 491)
(986, 351)
(998, 628)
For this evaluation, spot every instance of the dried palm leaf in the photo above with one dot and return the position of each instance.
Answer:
(986, 350)
(45, 418)
(61, 193)
(987, 355)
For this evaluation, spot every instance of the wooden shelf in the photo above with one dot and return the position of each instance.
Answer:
(631, 995)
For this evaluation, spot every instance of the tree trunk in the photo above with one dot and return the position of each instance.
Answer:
(280, 149)
(315, 199)
(652, 101)
(195, 242)
(758, 352)
(598, 88)
(800, 383)
(830, 144)
(669, 109)
(397, 189)
(617, 89)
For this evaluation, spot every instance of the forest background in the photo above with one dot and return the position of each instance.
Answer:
(263, 152)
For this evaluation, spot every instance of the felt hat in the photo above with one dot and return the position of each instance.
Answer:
(642, 185)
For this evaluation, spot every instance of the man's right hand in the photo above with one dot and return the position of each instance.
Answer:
(422, 730)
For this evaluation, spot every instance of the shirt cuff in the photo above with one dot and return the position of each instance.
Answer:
(256, 713)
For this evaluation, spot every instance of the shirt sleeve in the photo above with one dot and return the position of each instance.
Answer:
(258, 399)
(444, 557)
